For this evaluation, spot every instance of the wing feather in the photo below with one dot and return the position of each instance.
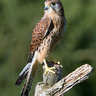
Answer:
(42, 30)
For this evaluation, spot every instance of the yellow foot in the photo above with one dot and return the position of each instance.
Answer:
(59, 64)
(48, 69)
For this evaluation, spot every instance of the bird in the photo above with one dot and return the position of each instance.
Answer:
(45, 36)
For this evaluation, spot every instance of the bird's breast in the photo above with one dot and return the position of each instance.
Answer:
(46, 46)
(50, 41)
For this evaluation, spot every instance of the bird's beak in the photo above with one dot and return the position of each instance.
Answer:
(46, 7)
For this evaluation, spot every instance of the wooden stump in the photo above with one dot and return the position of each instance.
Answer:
(53, 85)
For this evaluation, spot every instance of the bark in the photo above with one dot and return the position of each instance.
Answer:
(53, 85)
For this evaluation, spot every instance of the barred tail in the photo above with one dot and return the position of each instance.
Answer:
(28, 73)
(23, 74)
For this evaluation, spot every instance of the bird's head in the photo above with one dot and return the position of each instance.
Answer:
(54, 6)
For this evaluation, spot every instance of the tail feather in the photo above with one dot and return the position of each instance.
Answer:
(27, 85)
(29, 78)
(23, 74)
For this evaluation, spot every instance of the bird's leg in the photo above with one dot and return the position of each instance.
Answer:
(47, 68)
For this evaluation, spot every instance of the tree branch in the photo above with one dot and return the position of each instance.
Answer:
(46, 88)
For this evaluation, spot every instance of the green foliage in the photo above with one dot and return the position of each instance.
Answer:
(77, 46)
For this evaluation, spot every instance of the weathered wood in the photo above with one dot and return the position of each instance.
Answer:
(45, 89)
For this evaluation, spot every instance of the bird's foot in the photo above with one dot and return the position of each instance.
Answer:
(56, 62)
(48, 69)
(59, 64)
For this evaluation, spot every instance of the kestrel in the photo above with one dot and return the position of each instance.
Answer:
(45, 35)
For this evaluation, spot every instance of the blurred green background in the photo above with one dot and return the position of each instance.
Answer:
(77, 46)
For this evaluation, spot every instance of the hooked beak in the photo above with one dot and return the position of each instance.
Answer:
(46, 8)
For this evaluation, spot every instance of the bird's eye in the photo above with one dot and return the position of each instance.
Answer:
(52, 3)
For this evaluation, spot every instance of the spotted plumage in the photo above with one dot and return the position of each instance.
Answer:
(45, 35)
(40, 32)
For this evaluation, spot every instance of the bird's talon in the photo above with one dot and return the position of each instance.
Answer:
(49, 70)
(60, 64)
(52, 68)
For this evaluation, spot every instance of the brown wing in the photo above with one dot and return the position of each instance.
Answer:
(42, 30)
